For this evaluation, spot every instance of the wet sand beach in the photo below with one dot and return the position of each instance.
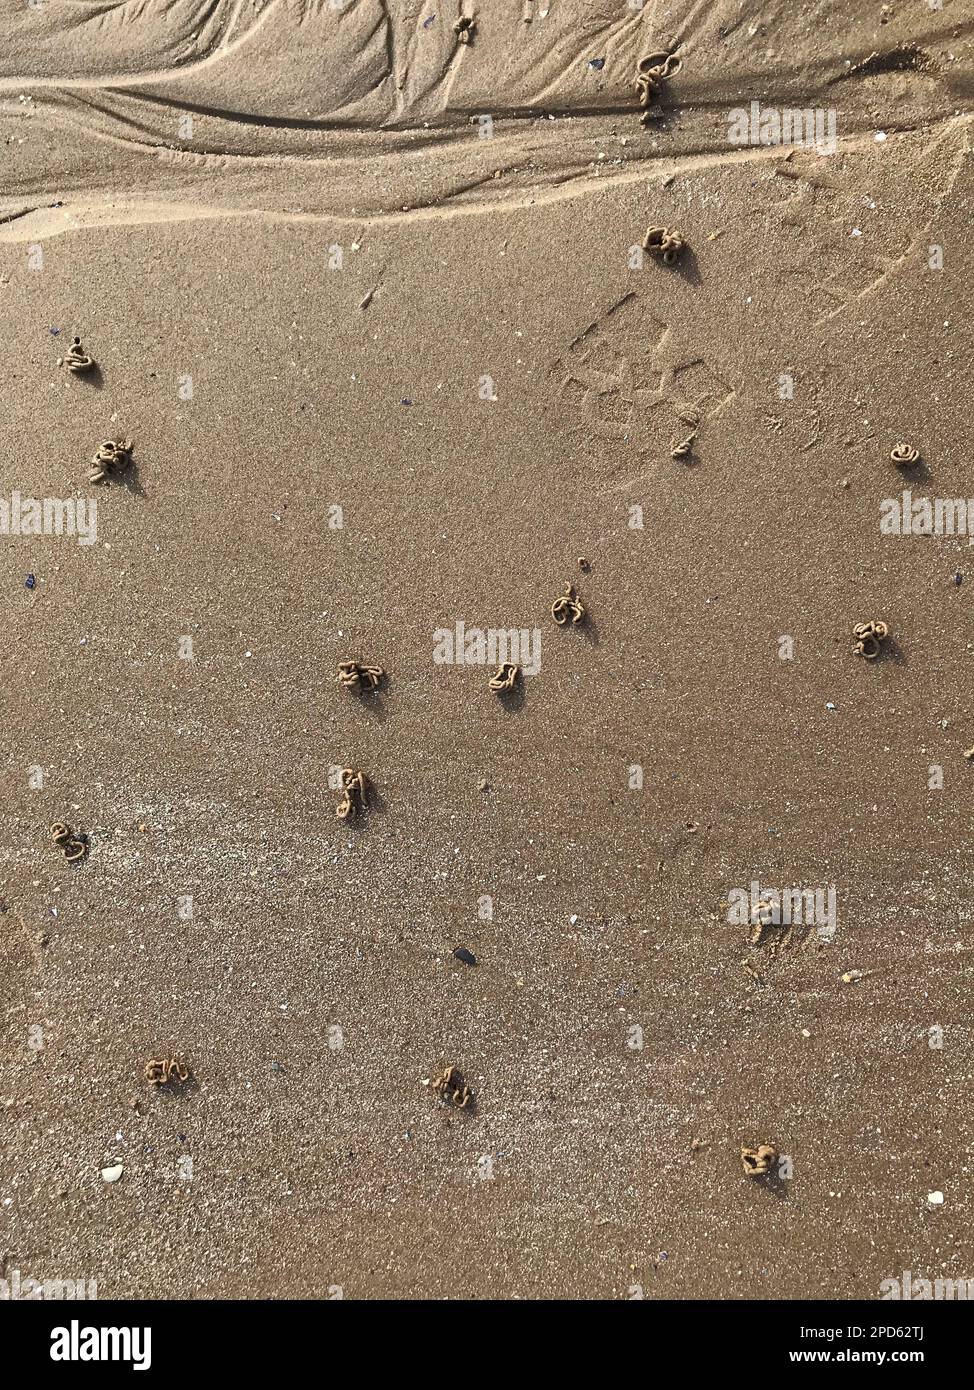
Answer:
(387, 369)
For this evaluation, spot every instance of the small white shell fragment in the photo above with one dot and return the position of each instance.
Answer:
(113, 1173)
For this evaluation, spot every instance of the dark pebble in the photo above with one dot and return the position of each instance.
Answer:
(466, 956)
(597, 63)
(29, 582)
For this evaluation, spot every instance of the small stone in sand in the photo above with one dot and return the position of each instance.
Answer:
(113, 1173)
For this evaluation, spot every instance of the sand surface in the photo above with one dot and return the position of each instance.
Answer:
(335, 159)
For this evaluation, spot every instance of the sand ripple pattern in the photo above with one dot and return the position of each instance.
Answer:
(215, 103)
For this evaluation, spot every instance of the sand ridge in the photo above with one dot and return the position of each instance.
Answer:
(373, 105)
